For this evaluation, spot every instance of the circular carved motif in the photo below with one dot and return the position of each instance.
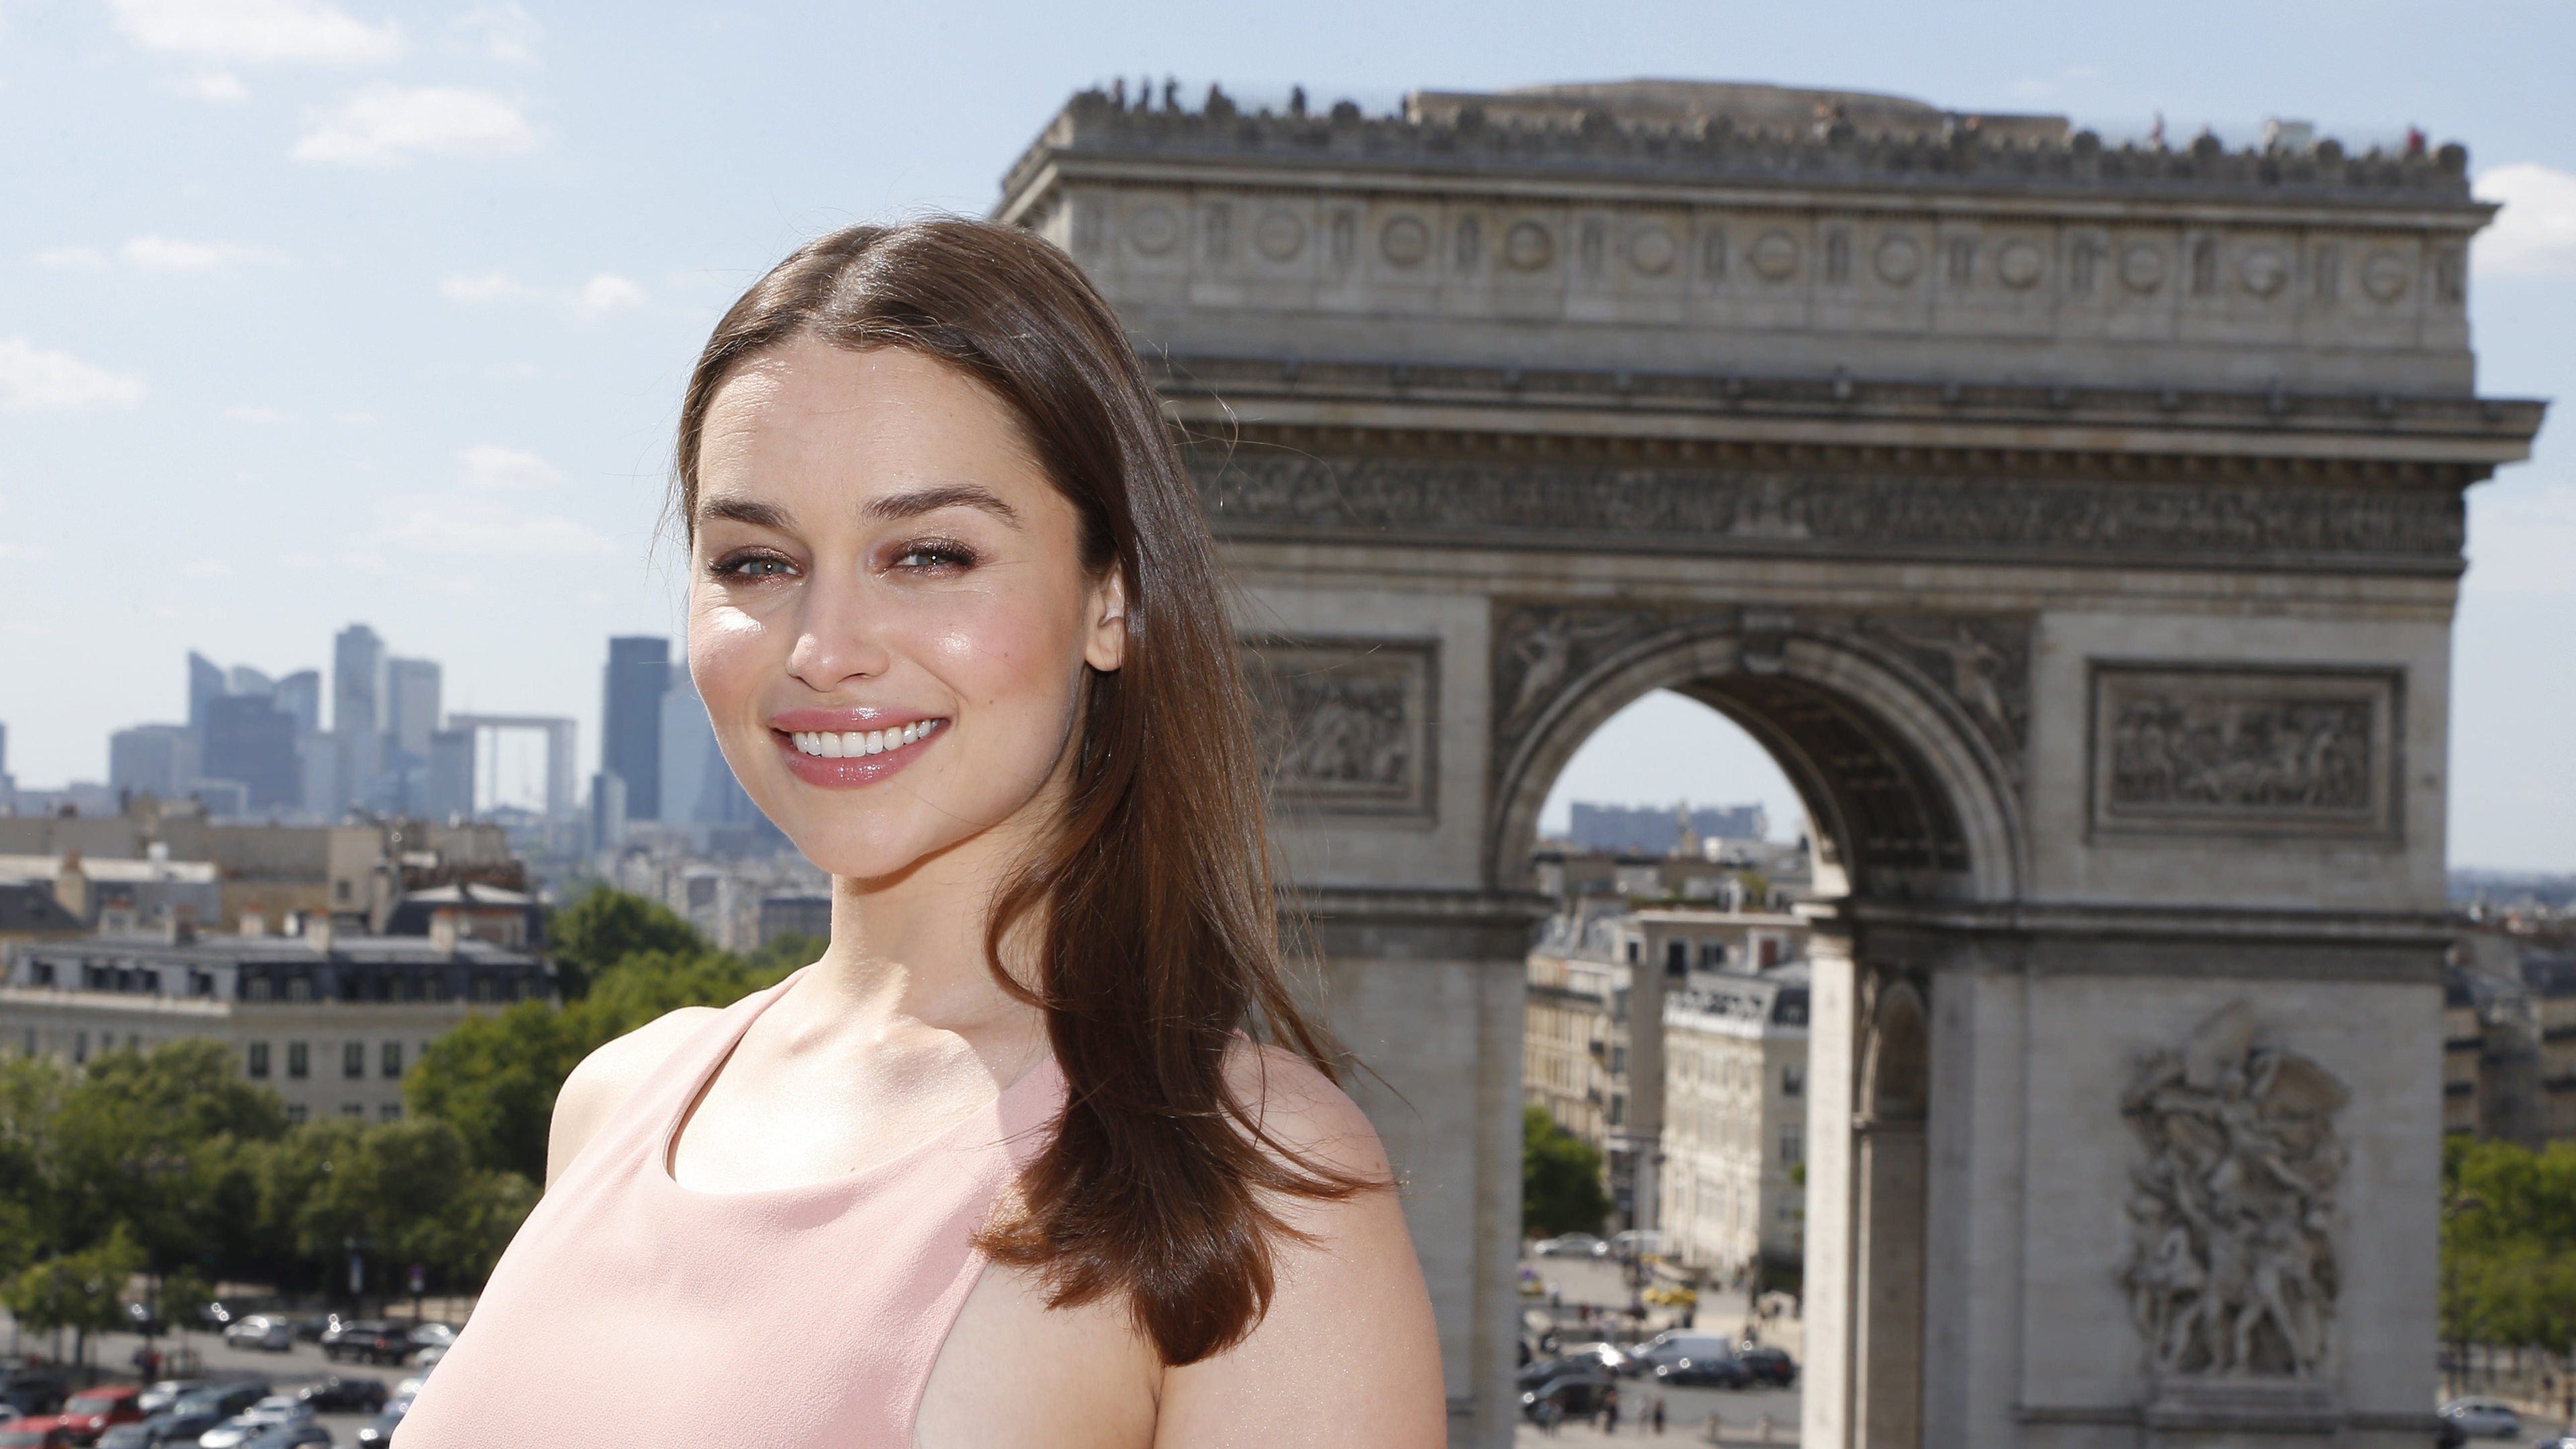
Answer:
(1154, 230)
(2142, 268)
(1775, 255)
(2264, 271)
(2384, 277)
(1405, 242)
(2018, 265)
(1652, 251)
(1280, 236)
(1899, 260)
(1528, 247)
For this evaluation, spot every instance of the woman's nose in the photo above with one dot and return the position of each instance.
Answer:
(838, 637)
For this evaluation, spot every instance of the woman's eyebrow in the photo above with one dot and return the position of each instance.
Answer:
(892, 507)
(746, 510)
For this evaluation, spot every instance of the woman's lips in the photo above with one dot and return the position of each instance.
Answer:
(850, 759)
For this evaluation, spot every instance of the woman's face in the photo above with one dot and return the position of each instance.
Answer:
(889, 615)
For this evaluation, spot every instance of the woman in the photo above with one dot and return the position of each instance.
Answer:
(1004, 1166)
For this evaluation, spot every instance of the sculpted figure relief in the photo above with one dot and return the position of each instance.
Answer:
(2232, 1269)
(2293, 753)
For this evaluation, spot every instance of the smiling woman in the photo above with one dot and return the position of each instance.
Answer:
(1042, 1150)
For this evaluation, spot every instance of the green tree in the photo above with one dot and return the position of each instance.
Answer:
(605, 927)
(153, 1141)
(1561, 1188)
(80, 1291)
(396, 1192)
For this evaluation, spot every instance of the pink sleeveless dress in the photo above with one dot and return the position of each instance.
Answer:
(634, 1312)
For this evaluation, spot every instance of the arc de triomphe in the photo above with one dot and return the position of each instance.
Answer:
(2080, 526)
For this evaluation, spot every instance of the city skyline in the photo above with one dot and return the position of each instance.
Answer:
(444, 354)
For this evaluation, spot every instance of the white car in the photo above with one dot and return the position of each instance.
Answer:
(267, 1414)
(1571, 1245)
(2484, 1418)
(277, 1335)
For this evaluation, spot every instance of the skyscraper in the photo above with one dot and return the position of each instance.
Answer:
(698, 787)
(245, 680)
(300, 695)
(411, 705)
(249, 739)
(639, 673)
(451, 775)
(205, 682)
(357, 697)
(155, 760)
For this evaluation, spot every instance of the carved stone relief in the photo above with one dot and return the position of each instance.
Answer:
(2232, 1270)
(2245, 750)
(1681, 508)
(1983, 663)
(1348, 726)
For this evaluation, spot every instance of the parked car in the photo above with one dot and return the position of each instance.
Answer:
(46, 1432)
(312, 1326)
(1636, 1242)
(336, 1395)
(1574, 1394)
(289, 1436)
(179, 1426)
(125, 1436)
(260, 1331)
(268, 1413)
(1768, 1365)
(432, 1335)
(1721, 1371)
(34, 1390)
(94, 1411)
(162, 1394)
(371, 1339)
(2483, 1418)
(139, 1318)
(1675, 1344)
(223, 1400)
(1570, 1245)
(1609, 1358)
(378, 1432)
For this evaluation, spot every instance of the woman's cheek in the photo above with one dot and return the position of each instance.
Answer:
(726, 647)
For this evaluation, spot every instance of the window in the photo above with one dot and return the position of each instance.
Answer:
(1636, 950)
(80, 1047)
(389, 1112)
(353, 1109)
(257, 988)
(340, 888)
(299, 1060)
(294, 1112)
(1793, 1081)
(393, 1059)
(258, 1059)
(353, 1059)
(1792, 1147)
(299, 988)
(1676, 958)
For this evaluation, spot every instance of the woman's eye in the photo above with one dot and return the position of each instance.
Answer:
(934, 556)
(753, 567)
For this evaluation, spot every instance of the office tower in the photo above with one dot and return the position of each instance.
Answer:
(155, 760)
(8, 786)
(639, 674)
(451, 775)
(247, 738)
(205, 682)
(607, 811)
(300, 695)
(357, 698)
(357, 680)
(245, 680)
(411, 705)
(318, 755)
(698, 787)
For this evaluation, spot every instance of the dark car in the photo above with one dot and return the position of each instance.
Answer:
(371, 1339)
(34, 1391)
(312, 1326)
(221, 1400)
(1715, 1372)
(289, 1436)
(139, 1318)
(336, 1395)
(40, 1433)
(1768, 1365)
(180, 1426)
(378, 1432)
(125, 1436)
(1575, 1394)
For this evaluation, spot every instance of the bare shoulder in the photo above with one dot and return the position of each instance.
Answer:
(1349, 1307)
(610, 1075)
(1303, 1110)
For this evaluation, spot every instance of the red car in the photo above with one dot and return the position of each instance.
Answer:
(45, 1433)
(92, 1412)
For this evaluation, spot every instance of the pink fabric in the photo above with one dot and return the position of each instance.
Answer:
(632, 1311)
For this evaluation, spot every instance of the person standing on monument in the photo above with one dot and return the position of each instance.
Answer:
(1047, 1098)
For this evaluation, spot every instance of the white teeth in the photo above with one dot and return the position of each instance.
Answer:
(852, 744)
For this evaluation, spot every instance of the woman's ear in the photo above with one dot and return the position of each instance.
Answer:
(1105, 647)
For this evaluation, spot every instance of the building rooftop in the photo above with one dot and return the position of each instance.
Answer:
(212, 949)
(32, 910)
(107, 871)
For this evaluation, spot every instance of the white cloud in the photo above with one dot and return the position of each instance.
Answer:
(485, 525)
(2536, 231)
(258, 30)
(608, 293)
(34, 380)
(505, 32)
(71, 257)
(479, 287)
(490, 469)
(163, 254)
(388, 123)
(216, 86)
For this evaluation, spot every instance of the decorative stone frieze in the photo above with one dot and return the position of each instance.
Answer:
(2303, 751)
(1348, 726)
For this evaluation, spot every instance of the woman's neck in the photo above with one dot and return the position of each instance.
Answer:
(911, 947)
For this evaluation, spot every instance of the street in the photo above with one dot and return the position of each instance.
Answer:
(286, 1372)
(1686, 1411)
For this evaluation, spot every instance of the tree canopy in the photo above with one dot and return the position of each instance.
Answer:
(1561, 1188)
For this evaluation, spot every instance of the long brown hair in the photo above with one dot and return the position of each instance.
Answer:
(1159, 936)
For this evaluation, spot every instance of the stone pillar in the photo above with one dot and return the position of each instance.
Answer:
(1833, 1070)
(1426, 990)
(1889, 1181)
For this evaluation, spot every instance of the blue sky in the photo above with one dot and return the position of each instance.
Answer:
(315, 311)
